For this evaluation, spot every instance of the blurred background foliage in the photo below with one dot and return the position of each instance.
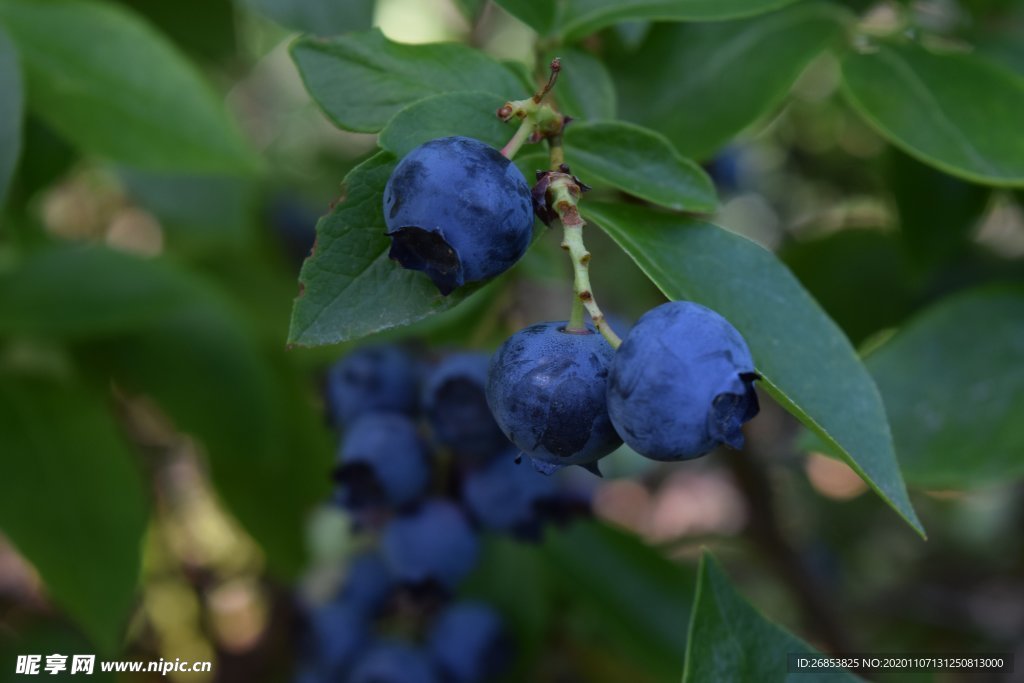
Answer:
(163, 455)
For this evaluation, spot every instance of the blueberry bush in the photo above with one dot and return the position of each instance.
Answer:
(459, 341)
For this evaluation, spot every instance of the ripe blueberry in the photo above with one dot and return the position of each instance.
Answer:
(394, 662)
(457, 210)
(382, 462)
(546, 388)
(505, 495)
(433, 548)
(457, 407)
(368, 584)
(469, 643)
(339, 633)
(371, 379)
(681, 383)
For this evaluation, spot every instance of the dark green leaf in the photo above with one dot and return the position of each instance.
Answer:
(136, 100)
(203, 28)
(80, 292)
(470, 9)
(319, 17)
(262, 441)
(807, 363)
(585, 88)
(936, 211)
(953, 384)
(640, 162)
(956, 112)
(629, 590)
(843, 270)
(702, 84)
(731, 641)
(362, 80)
(470, 113)
(582, 17)
(11, 103)
(539, 16)
(348, 287)
(71, 499)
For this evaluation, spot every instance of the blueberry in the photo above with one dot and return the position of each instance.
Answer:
(469, 643)
(368, 584)
(457, 210)
(394, 662)
(382, 462)
(339, 632)
(546, 388)
(456, 405)
(506, 495)
(681, 383)
(371, 379)
(433, 548)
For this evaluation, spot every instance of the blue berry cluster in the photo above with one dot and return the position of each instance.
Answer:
(423, 470)
(680, 384)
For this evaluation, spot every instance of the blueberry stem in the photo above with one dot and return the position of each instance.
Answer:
(565, 194)
(523, 134)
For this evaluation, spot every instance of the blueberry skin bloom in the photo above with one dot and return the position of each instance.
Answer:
(382, 462)
(546, 388)
(432, 548)
(394, 662)
(506, 495)
(371, 379)
(457, 210)
(456, 405)
(681, 383)
(469, 643)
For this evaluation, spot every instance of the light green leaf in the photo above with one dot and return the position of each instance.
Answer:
(640, 162)
(11, 104)
(627, 589)
(319, 17)
(953, 384)
(83, 291)
(582, 17)
(348, 287)
(540, 16)
(704, 83)
(956, 112)
(585, 89)
(117, 88)
(362, 80)
(806, 362)
(731, 641)
(471, 113)
(72, 499)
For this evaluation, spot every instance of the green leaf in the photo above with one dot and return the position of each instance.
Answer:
(953, 384)
(319, 17)
(585, 88)
(11, 104)
(85, 291)
(730, 640)
(348, 287)
(72, 500)
(628, 589)
(582, 17)
(262, 441)
(540, 16)
(362, 80)
(470, 113)
(806, 362)
(205, 29)
(117, 88)
(956, 112)
(640, 162)
(704, 83)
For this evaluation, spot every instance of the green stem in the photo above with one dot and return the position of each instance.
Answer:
(523, 134)
(565, 200)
